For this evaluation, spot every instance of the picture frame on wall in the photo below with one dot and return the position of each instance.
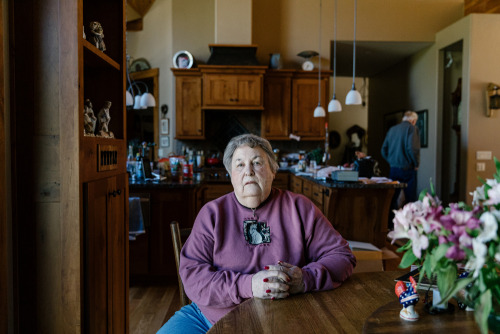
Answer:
(165, 126)
(396, 117)
(165, 141)
(422, 125)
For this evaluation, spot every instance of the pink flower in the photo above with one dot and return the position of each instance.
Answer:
(455, 253)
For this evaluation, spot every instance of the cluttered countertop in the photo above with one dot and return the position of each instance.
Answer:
(320, 175)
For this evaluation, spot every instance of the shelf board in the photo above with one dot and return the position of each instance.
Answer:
(97, 57)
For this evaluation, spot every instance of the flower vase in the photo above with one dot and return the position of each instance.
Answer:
(436, 300)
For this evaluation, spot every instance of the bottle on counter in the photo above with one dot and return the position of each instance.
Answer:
(139, 174)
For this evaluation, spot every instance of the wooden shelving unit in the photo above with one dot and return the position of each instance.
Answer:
(103, 176)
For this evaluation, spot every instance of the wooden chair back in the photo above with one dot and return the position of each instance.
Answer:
(178, 237)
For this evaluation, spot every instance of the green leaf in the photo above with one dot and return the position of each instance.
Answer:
(459, 285)
(405, 247)
(438, 254)
(482, 310)
(497, 165)
(408, 259)
(445, 280)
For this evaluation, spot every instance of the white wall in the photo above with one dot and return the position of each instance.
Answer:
(233, 21)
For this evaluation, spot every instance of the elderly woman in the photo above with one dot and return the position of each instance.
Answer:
(257, 241)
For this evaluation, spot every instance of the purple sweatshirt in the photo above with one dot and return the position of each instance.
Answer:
(217, 262)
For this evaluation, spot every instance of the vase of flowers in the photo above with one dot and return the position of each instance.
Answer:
(447, 240)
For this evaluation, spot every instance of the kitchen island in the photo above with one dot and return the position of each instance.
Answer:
(359, 211)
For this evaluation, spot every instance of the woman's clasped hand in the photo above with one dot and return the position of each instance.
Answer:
(277, 281)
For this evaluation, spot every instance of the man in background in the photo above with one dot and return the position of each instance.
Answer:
(401, 149)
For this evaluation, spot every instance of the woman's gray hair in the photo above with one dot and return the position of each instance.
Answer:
(410, 116)
(251, 141)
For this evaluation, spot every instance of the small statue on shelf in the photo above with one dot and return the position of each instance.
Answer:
(104, 119)
(97, 34)
(89, 119)
(408, 297)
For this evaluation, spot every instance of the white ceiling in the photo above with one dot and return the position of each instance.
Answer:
(373, 57)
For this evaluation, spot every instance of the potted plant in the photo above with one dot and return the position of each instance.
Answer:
(443, 240)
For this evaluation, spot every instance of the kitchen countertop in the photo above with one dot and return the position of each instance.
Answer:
(198, 181)
(362, 184)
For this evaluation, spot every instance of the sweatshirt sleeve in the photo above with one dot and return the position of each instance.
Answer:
(329, 257)
(205, 284)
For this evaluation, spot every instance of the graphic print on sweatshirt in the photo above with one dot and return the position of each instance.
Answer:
(256, 232)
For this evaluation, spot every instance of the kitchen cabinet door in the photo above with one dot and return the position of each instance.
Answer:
(276, 116)
(304, 101)
(232, 90)
(281, 180)
(189, 118)
(106, 255)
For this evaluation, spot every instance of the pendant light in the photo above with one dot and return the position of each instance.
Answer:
(319, 111)
(334, 105)
(353, 97)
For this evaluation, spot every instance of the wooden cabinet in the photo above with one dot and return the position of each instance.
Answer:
(290, 99)
(304, 101)
(106, 260)
(151, 254)
(307, 188)
(276, 116)
(189, 117)
(282, 180)
(103, 174)
(216, 190)
(320, 195)
(232, 87)
(296, 184)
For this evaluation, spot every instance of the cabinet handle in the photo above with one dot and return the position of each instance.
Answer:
(115, 192)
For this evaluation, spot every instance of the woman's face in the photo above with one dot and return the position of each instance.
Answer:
(251, 175)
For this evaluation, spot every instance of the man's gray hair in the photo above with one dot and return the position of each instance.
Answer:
(251, 141)
(410, 116)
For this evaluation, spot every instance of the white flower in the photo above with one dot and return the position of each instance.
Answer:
(497, 254)
(494, 195)
(478, 195)
(477, 261)
(418, 242)
(490, 227)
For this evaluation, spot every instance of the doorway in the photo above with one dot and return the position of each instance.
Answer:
(451, 123)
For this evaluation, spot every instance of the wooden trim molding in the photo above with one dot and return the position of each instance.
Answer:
(481, 6)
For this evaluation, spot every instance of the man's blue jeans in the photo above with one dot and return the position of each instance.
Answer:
(188, 320)
(408, 176)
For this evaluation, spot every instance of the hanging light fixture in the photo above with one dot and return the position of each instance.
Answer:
(138, 101)
(319, 111)
(353, 97)
(334, 105)
(141, 101)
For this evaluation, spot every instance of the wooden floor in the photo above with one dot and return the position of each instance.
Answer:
(152, 306)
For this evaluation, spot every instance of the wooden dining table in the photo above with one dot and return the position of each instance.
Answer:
(365, 303)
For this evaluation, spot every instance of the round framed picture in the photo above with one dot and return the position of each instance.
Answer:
(183, 59)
